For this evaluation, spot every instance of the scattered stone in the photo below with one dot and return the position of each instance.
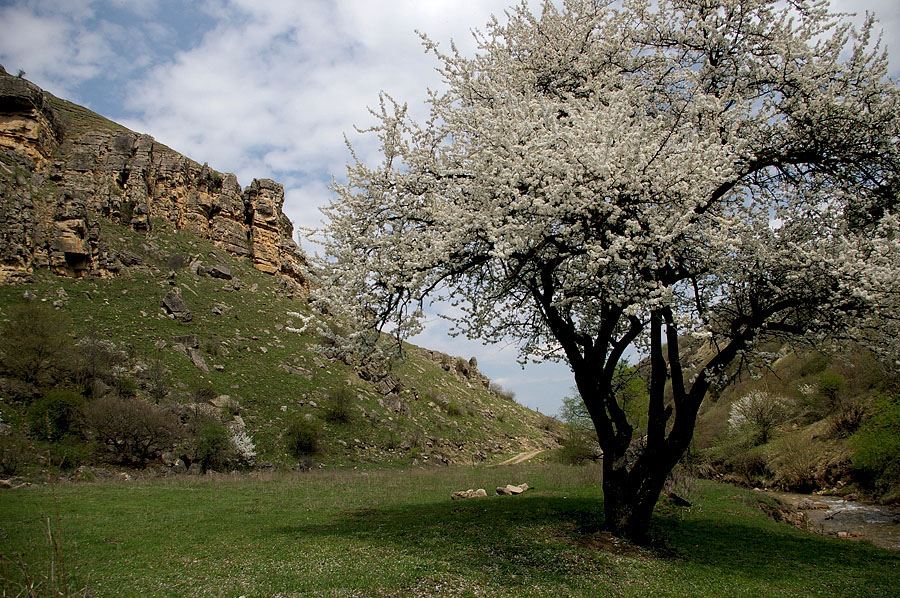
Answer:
(188, 340)
(510, 490)
(263, 350)
(221, 401)
(297, 371)
(129, 259)
(219, 271)
(808, 505)
(198, 360)
(480, 493)
(176, 306)
(219, 367)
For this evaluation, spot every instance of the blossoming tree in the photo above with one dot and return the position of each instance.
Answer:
(603, 176)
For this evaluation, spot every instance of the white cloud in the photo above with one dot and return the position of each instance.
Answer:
(54, 51)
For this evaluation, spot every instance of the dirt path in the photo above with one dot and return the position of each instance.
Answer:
(520, 458)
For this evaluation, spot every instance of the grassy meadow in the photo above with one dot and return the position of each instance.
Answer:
(397, 533)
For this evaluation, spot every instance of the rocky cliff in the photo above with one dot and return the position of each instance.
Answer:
(65, 170)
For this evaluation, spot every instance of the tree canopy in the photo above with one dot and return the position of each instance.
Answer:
(603, 176)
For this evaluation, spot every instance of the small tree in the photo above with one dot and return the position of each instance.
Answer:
(133, 430)
(602, 177)
(35, 345)
(211, 444)
(758, 413)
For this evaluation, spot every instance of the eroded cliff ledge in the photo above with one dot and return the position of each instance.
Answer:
(64, 170)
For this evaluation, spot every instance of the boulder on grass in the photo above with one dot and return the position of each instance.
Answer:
(510, 490)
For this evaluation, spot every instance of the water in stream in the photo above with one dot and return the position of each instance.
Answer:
(848, 519)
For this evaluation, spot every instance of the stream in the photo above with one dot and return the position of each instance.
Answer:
(835, 516)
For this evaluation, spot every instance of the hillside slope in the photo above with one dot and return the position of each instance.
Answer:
(195, 292)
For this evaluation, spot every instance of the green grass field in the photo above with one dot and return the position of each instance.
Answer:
(397, 533)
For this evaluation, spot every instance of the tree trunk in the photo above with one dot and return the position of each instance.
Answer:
(630, 496)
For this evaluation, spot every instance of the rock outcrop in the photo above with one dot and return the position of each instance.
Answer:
(64, 170)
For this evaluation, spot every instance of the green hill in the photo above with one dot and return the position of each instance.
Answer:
(100, 225)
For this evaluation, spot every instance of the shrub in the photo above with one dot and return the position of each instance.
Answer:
(877, 444)
(453, 410)
(757, 414)
(157, 385)
(12, 452)
(70, 453)
(338, 407)
(35, 344)
(125, 386)
(847, 415)
(462, 366)
(814, 363)
(243, 448)
(177, 261)
(211, 445)
(203, 393)
(95, 362)
(302, 437)
(795, 464)
(55, 415)
(133, 430)
(502, 392)
(579, 446)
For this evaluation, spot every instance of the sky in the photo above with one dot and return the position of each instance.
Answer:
(271, 88)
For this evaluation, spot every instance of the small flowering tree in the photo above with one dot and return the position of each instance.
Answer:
(758, 413)
(602, 177)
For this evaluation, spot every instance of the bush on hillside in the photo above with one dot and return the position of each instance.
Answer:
(96, 362)
(55, 415)
(303, 437)
(502, 392)
(35, 346)
(132, 430)
(244, 449)
(13, 452)
(211, 445)
(795, 463)
(339, 406)
(757, 414)
(877, 445)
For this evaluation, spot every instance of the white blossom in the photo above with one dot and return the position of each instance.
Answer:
(601, 173)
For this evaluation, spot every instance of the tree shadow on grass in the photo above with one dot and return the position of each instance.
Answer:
(553, 539)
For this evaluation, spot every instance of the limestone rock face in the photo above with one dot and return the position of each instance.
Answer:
(63, 170)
